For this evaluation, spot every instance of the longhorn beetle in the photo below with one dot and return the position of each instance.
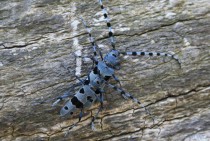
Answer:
(99, 76)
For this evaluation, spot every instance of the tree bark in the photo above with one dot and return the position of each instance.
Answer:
(39, 40)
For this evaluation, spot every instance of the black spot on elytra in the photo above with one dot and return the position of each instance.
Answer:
(95, 70)
(76, 102)
(66, 108)
(89, 98)
(87, 82)
(71, 113)
(142, 53)
(82, 90)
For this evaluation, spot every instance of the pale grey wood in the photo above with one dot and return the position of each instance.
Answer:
(38, 38)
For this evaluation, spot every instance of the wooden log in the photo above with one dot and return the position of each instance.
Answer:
(38, 40)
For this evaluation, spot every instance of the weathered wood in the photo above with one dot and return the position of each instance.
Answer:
(38, 38)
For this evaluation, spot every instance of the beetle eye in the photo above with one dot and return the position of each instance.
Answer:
(114, 55)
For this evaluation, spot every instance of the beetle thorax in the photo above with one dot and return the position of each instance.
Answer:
(112, 59)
